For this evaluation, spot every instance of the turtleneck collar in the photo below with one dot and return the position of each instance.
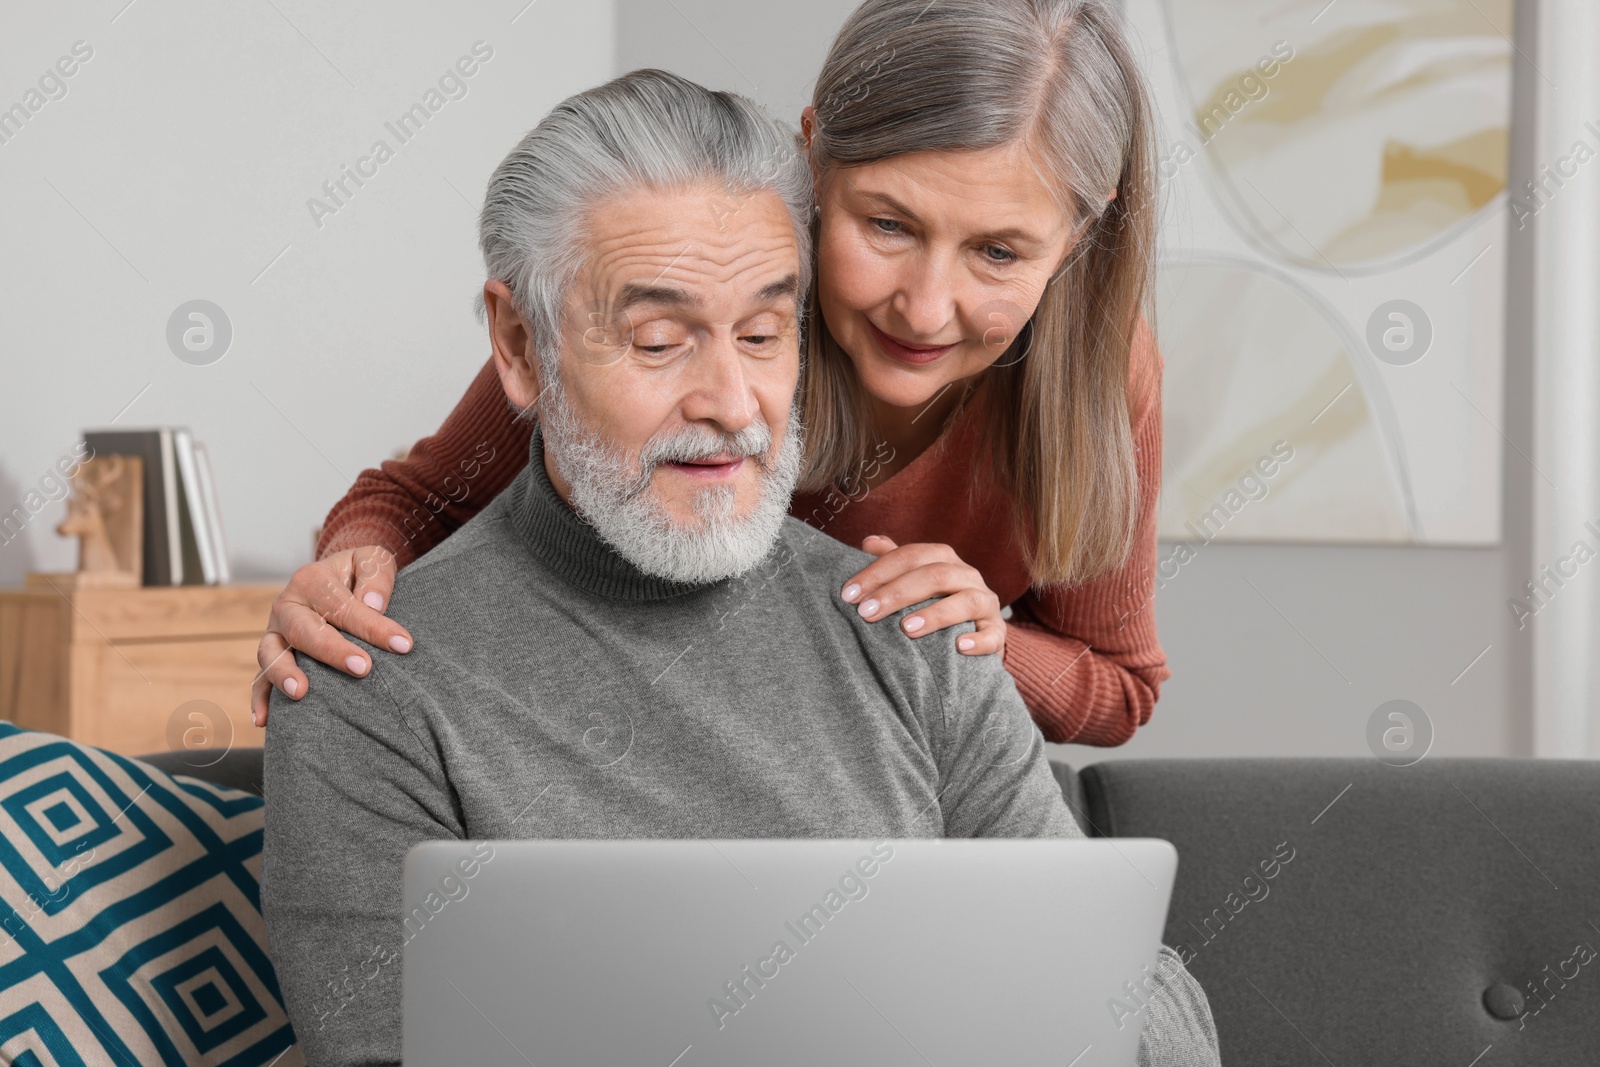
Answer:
(571, 547)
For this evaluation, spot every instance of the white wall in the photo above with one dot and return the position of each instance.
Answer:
(1359, 625)
(179, 165)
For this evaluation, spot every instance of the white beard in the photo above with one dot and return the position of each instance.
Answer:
(612, 492)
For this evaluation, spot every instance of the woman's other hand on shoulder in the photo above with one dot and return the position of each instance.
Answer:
(910, 574)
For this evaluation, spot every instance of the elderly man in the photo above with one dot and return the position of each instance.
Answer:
(634, 639)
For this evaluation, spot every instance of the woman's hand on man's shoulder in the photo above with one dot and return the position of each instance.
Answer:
(342, 593)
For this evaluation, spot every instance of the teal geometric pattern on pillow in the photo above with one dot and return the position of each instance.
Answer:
(130, 915)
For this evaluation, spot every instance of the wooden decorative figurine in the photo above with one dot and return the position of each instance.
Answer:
(106, 512)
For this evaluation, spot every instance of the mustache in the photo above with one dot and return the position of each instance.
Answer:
(692, 444)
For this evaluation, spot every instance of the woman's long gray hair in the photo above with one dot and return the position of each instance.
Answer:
(1058, 77)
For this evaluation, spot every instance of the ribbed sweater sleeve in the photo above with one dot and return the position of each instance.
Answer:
(410, 505)
(1086, 658)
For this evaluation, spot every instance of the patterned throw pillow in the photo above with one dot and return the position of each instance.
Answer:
(130, 915)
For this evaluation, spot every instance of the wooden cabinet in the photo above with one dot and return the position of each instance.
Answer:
(132, 670)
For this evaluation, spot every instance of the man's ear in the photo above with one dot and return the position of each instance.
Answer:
(512, 340)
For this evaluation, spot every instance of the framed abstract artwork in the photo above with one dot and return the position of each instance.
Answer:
(1330, 293)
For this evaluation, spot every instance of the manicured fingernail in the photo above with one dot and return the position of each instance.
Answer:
(255, 717)
(356, 664)
(868, 609)
(291, 687)
(399, 644)
(373, 600)
(966, 644)
(913, 624)
(850, 593)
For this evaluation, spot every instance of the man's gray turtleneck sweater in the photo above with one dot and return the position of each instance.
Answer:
(557, 691)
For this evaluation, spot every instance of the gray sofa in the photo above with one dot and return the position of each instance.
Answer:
(1351, 913)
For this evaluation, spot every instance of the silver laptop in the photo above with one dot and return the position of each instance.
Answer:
(690, 953)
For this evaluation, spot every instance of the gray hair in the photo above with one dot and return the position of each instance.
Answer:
(645, 130)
